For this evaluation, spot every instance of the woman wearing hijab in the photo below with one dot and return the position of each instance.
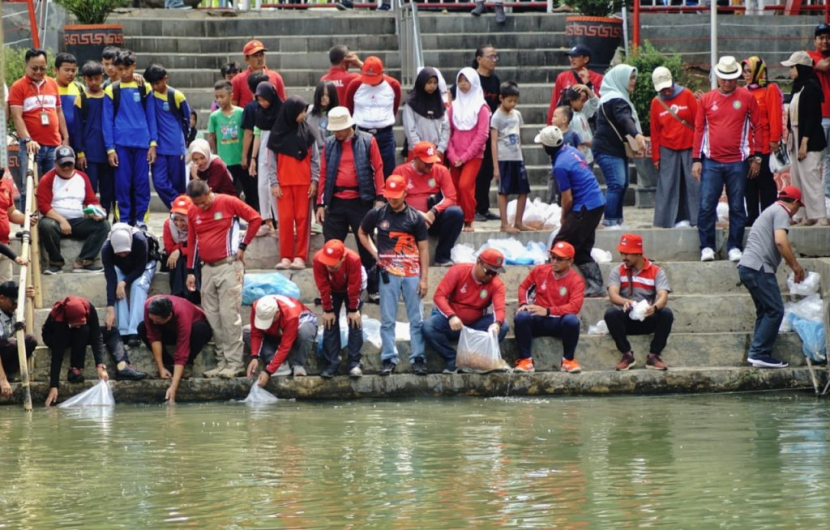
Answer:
(209, 167)
(424, 116)
(806, 141)
(269, 104)
(616, 119)
(294, 182)
(762, 190)
(469, 118)
(673, 113)
(174, 259)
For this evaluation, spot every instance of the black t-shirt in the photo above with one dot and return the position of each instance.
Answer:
(397, 238)
(491, 86)
(248, 117)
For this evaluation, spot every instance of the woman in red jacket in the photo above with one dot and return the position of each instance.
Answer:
(174, 260)
(761, 191)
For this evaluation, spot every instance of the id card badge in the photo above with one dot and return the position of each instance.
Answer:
(44, 118)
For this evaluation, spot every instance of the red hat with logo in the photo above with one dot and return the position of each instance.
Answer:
(563, 249)
(630, 244)
(492, 260)
(790, 192)
(181, 205)
(372, 71)
(332, 251)
(426, 152)
(253, 47)
(395, 187)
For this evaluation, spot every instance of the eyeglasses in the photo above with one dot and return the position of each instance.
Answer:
(494, 57)
(37, 68)
(488, 272)
(67, 165)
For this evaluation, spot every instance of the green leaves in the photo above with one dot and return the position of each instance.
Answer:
(91, 11)
(597, 8)
(645, 59)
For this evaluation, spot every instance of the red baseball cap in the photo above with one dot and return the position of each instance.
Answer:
(181, 205)
(331, 253)
(492, 259)
(395, 187)
(426, 152)
(790, 192)
(630, 244)
(563, 249)
(372, 71)
(253, 47)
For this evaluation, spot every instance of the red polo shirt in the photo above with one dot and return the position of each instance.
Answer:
(36, 99)
(242, 95)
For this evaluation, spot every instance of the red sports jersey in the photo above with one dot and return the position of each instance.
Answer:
(185, 314)
(728, 127)
(212, 232)
(460, 294)
(824, 80)
(560, 296)
(666, 130)
(347, 279)
(421, 187)
(285, 326)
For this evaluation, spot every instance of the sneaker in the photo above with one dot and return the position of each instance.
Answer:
(356, 372)
(329, 372)
(299, 371)
(384, 7)
(501, 17)
(447, 263)
(284, 264)
(570, 366)
(53, 269)
(283, 371)
(478, 10)
(490, 216)
(86, 266)
(213, 372)
(654, 362)
(525, 366)
(419, 367)
(765, 361)
(626, 361)
(297, 265)
(133, 341)
(373, 298)
(449, 368)
(129, 374)
(386, 368)
(230, 372)
(479, 218)
(735, 255)
(707, 254)
(75, 375)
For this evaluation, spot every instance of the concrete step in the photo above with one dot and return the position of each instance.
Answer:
(232, 45)
(277, 61)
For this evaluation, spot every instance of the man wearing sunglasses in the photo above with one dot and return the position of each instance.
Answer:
(550, 298)
(470, 295)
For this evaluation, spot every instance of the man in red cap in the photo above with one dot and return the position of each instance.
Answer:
(373, 100)
(550, 298)
(638, 279)
(176, 252)
(430, 191)
(254, 53)
(766, 245)
(470, 295)
(341, 279)
(341, 59)
(402, 255)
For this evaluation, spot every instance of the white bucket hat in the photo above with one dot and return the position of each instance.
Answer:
(339, 119)
(728, 68)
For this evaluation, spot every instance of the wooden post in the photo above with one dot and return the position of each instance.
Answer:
(21, 293)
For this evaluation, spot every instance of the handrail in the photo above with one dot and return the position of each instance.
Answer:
(23, 308)
(408, 30)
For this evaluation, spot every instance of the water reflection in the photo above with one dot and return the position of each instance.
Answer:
(741, 461)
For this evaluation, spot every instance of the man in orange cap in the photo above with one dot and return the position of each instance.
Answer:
(766, 245)
(341, 279)
(430, 190)
(402, 255)
(254, 53)
(550, 298)
(638, 279)
(470, 295)
(373, 99)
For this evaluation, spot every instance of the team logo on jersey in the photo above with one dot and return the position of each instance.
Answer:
(431, 183)
(736, 105)
(715, 107)
(165, 106)
(563, 291)
(675, 108)
(483, 294)
(136, 97)
(384, 224)
(217, 216)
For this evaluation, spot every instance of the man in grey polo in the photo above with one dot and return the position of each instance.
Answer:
(766, 245)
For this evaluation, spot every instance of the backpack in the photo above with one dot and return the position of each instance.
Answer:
(116, 97)
(153, 247)
(176, 110)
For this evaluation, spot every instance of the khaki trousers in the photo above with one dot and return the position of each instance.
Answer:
(6, 269)
(221, 301)
(806, 175)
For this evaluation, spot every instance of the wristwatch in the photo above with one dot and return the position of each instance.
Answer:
(757, 159)
(26, 140)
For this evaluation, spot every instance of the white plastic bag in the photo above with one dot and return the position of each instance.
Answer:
(537, 252)
(808, 286)
(601, 256)
(534, 214)
(478, 351)
(809, 308)
(98, 396)
(600, 329)
(638, 310)
(259, 396)
(463, 253)
(371, 331)
(723, 212)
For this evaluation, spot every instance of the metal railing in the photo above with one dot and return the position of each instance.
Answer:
(408, 30)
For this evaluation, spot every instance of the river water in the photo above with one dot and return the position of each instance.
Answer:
(747, 461)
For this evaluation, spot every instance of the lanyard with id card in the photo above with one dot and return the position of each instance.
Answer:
(44, 118)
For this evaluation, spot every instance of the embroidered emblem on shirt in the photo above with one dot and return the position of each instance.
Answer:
(563, 291)
(384, 224)
(431, 183)
(483, 294)
(736, 105)
(136, 97)
(217, 216)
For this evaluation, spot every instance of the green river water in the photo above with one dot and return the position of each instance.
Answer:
(748, 461)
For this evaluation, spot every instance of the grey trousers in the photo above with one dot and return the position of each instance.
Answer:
(678, 194)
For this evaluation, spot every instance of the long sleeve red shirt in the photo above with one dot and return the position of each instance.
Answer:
(347, 279)
(347, 171)
(566, 80)
(460, 294)
(560, 296)
(728, 127)
(666, 130)
(285, 326)
(211, 232)
(771, 107)
(45, 191)
(171, 246)
(185, 314)
(421, 187)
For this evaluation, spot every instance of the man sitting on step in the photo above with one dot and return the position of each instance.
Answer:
(636, 280)
(9, 359)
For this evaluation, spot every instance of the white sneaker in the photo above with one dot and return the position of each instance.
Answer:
(283, 371)
(707, 254)
(356, 372)
(735, 255)
(213, 372)
(299, 371)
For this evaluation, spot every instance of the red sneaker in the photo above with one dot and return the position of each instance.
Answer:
(524, 365)
(570, 366)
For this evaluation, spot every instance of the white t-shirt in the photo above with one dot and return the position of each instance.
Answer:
(68, 196)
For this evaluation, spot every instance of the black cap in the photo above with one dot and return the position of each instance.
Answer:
(9, 290)
(579, 49)
(822, 29)
(64, 155)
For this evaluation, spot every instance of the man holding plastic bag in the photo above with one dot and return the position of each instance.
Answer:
(464, 298)
(635, 281)
(550, 298)
(766, 245)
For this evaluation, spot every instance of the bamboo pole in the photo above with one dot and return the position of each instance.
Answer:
(21, 293)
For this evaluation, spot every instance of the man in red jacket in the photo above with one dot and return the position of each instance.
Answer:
(470, 295)
(579, 57)
(254, 53)
(281, 328)
(341, 279)
(550, 298)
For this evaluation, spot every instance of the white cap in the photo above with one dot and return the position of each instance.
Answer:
(266, 309)
(661, 77)
(550, 136)
(339, 119)
(728, 68)
(801, 58)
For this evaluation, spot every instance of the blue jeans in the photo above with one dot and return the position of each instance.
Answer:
(439, 335)
(715, 176)
(389, 295)
(447, 227)
(168, 178)
(386, 146)
(130, 310)
(615, 171)
(769, 309)
(45, 160)
(529, 326)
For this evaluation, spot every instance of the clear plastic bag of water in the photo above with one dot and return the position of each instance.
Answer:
(259, 396)
(600, 329)
(638, 310)
(809, 285)
(478, 351)
(99, 395)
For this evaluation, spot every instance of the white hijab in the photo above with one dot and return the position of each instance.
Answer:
(465, 107)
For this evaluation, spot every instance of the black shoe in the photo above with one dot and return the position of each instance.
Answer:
(492, 216)
(449, 368)
(129, 374)
(384, 7)
(329, 372)
(387, 368)
(53, 269)
(75, 375)
(419, 367)
(373, 298)
(133, 341)
(478, 10)
(480, 218)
